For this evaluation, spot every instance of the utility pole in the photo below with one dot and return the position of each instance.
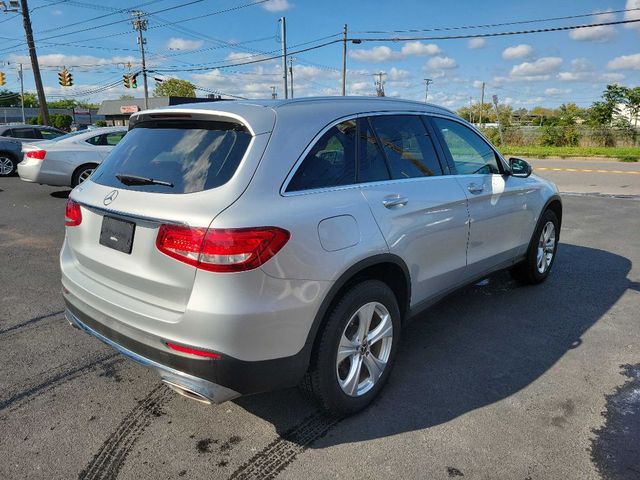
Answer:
(344, 61)
(379, 84)
(24, 120)
(44, 110)
(470, 110)
(427, 81)
(140, 25)
(291, 74)
(481, 105)
(495, 103)
(274, 95)
(283, 39)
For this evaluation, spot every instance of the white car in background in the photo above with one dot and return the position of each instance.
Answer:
(70, 159)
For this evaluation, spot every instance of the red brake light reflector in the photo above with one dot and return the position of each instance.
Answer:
(221, 250)
(193, 351)
(72, 214)
(37, 154)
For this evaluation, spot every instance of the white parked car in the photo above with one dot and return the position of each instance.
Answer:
(70, 159)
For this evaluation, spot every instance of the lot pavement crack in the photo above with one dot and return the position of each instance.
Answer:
(31, 321)
(28, 394)
(106, 463)
(275, 457)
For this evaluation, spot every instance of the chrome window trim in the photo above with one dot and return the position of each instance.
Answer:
(305, 152)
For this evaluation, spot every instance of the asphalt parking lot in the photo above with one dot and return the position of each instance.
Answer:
(498, 381)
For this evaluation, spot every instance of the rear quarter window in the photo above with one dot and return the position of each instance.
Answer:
(191, 155)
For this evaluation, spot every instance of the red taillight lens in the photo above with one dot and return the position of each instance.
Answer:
(38, 154)
(221, 250)
(72, 214)
(193, 351)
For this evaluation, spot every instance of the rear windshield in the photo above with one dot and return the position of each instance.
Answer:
(189, 156)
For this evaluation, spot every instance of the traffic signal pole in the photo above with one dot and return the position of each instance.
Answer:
(42, 101)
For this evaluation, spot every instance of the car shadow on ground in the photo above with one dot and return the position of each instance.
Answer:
(60, 194)
(476, 347)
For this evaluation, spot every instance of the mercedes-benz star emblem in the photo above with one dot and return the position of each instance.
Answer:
(111, 196)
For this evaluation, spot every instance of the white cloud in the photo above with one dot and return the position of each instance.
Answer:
(542, 66)
(602, 33)
(79, 61)
(557, 91)
(477, 83)
(625, 62)
(56, 12)
(397, 74)
(612, 77)
(374, 55)
(475, 43)
(574, 76)
(277, 5)
(420, 49)
(175, 43)
(581, 65)
(517, 51)
(441, 63)
(244, 57)
(632, 15)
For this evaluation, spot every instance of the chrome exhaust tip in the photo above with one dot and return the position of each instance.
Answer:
(186, 392)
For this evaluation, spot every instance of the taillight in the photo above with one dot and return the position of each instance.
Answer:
(37, 154)
(193, 351)
(72, 214)
(221, 250)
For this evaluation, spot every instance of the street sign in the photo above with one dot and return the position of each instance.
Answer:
(129, 109)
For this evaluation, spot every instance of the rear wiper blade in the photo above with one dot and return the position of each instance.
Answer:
(138, 180)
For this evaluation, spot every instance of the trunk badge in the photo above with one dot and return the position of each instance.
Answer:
(111, 196)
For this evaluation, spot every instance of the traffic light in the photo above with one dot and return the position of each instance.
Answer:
(65, 78)
(3, 80)
(134, 81)
(125, 79)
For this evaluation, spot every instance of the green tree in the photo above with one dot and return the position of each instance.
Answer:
(175, 87)
(125, 96)
(472, 113)
(64, 103)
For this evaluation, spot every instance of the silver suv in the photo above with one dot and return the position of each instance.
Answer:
(239, 247)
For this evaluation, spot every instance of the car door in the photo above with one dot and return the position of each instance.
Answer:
(421, 212)
(499, 216)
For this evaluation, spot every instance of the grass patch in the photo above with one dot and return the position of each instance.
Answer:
(625, 154)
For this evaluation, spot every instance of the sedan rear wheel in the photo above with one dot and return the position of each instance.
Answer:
(82, 174)
(7, 165)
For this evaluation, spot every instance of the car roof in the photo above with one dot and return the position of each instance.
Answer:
(260, 114)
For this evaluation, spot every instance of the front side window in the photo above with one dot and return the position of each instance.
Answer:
(407, 146)
(470, 153)
(50, 134)
(331, 161)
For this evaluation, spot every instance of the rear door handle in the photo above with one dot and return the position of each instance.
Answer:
(475, 188)
(394, 201)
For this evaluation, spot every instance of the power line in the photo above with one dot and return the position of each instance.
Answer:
(492, 25)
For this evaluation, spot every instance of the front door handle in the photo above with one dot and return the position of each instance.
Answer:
(394, 201)
(475, 188)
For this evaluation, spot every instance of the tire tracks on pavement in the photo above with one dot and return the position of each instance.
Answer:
(32, 321)
(275, 457)
(106, 463)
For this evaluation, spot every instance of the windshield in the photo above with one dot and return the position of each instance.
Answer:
(180, 156)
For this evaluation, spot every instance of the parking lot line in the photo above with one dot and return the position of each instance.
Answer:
(586, 170)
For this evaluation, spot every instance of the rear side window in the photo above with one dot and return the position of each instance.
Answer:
(50, 134)
(24, 133)
(106, 139)
(331, 161)
(407, 146)
(372, 165)
(192, 156)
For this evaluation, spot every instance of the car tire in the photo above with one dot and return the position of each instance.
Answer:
(541, 253)
(345, 385)
(8, 164)
(82, 173)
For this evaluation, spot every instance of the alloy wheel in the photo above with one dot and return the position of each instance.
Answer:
(546, 247)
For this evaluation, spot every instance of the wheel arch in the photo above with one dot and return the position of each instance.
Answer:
(74, 175)
(388, 268)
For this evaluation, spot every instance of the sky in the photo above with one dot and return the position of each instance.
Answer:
(204, 41)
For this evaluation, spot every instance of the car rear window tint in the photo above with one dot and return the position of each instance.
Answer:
(407, 146)
(331, 161)
(192, 155)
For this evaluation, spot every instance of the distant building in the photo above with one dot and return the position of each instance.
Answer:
(623, 111)
(117, 112)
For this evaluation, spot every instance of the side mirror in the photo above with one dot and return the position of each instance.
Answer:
(520, 168)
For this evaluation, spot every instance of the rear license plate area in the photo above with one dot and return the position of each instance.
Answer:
(117, 234)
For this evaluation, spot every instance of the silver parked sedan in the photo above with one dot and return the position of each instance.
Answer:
(239, 247)
(70, 159)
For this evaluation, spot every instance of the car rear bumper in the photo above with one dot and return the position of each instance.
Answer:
(29, 170)
(205, 379)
